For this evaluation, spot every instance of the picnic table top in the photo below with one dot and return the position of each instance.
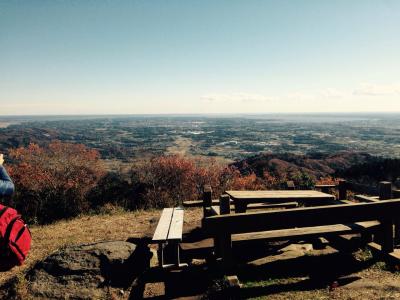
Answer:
(249, 196)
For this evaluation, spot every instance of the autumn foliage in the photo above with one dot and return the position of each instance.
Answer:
(62, 180)
(53, 182)
(169, 180)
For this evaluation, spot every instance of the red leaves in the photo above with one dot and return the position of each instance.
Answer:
(171, 179)
(60, 166)
(245, 182)
(328, 180)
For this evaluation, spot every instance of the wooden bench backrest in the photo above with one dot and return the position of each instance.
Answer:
(302, 217)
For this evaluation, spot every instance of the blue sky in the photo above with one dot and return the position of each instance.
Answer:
(95, 57)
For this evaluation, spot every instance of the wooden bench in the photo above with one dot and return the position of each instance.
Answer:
(169, 233)
(301, 222)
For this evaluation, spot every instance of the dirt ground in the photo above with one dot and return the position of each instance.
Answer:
(292, 274)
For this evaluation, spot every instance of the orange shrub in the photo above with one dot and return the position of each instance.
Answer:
(245, 182)
(171, 179)
(328, 180)
(52, 182)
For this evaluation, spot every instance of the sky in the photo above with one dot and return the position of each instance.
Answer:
(181, 57)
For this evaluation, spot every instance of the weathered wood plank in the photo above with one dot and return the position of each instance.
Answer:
(393, 257)
(175, 229)
(305, 232)
(215, 211)
(302, 217)
(273, 205)
(278, 195)
(365, 198)
(162, 229)
(198, 203)
(346, 201)
(321, 186)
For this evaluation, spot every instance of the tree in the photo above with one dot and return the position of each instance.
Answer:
(53, 181)
(171, 179)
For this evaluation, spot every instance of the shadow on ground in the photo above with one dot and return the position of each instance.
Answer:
(256, 263)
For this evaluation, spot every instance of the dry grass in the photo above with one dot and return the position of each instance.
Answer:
(86, 229)
(117, 225)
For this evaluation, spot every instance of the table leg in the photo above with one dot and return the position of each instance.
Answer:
(160, 253)
(240, 207)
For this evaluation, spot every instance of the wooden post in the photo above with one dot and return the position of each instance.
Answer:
(342, 190)
(225, 239)
(385, 190)
(387, 238)
(385, 193)
(396, 195)
(224, 205)
(207, 199)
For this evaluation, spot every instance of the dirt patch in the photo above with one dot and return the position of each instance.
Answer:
(181, 146)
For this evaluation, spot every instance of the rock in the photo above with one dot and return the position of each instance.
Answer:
(300, 249)
(88, 271)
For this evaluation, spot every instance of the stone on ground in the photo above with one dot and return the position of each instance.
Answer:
(88, 271)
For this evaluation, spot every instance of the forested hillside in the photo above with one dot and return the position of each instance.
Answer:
(62, 180)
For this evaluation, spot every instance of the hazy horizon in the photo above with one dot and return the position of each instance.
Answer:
(333, 113)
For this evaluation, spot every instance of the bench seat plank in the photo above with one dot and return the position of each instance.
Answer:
(161, 233)
(215, 211)
(175, 230)
(272, 205)
(303, 232)
(363, 198)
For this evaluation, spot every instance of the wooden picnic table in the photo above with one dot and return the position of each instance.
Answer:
(242, 198)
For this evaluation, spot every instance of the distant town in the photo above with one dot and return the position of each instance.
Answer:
(229, 137)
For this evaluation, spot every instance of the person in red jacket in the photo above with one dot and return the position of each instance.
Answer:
(6, 184)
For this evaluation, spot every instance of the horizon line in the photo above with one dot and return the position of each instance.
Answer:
(201, 114)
